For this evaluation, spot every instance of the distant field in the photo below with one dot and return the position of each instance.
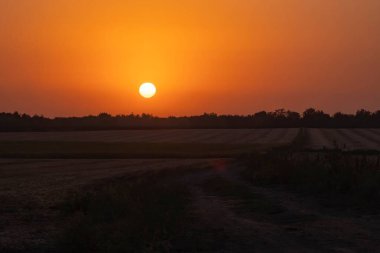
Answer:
(102, 150)
(345, 139)
(142, 143)
(230, 136)
(195, 143)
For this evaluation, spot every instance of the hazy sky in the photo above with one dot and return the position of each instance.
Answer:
(76, 57)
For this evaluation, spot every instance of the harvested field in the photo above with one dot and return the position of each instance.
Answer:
(216, 208)
(238, 136)
(219, 143)
(344, 139)
(178, 143)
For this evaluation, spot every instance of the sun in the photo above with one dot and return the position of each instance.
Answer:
(147, 90)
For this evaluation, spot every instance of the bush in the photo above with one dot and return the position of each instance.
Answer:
(337, 178)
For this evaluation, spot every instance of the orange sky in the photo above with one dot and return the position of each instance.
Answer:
(77, 57)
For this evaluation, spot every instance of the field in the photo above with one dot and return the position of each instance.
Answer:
(149, 144)
(237, 136)
(29, 190)
(142, 143)
(345, 139)
(230, 191)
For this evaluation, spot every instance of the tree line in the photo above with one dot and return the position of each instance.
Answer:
(281, 118)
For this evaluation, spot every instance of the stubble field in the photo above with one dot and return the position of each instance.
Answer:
(347, 139)
(229, 192)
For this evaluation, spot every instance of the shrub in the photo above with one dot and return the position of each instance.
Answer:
(337, 178)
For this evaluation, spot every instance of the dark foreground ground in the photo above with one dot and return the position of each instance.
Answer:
(278, 201)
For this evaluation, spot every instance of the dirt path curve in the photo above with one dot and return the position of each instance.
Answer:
(230, 224)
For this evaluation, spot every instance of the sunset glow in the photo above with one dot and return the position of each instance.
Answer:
(66, 57)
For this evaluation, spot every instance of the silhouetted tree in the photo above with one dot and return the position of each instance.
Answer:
(312, 117)
(279, 118)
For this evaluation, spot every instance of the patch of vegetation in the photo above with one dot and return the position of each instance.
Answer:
(144, 215)
(338, 179)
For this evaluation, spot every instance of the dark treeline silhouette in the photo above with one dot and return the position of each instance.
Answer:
(278, 119)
